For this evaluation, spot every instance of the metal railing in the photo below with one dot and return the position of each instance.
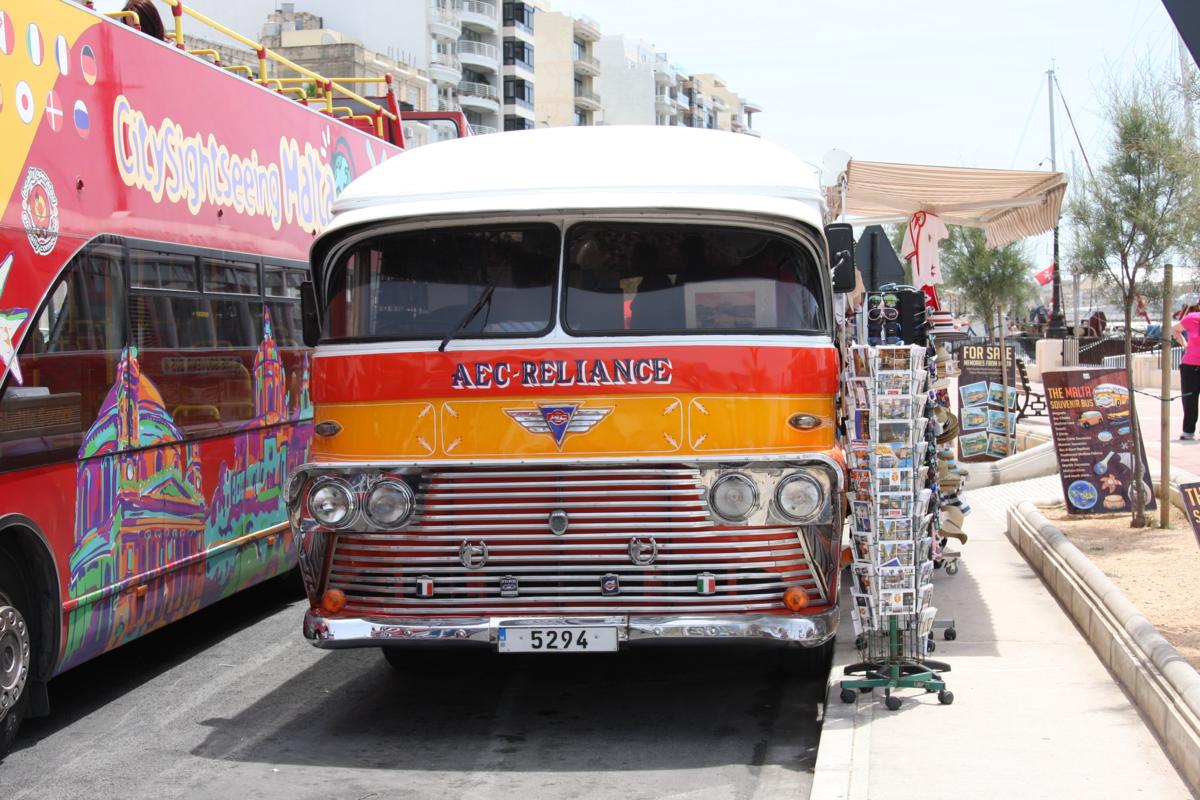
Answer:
(1119, 361)
(326, 88)
(447, 60)
(479, 8)
(588, 61)
(479, 130)
(466, 46)
(584, 94)
(483, 90)
(447, 17)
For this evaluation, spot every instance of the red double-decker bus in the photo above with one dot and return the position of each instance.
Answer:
(153, 383)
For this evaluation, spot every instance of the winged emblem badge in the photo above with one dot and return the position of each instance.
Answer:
(559, 419)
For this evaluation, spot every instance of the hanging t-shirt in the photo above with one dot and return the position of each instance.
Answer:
(925, 230)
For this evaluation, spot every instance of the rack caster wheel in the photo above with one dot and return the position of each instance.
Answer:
(893, 703)
(859, 642)
(849, 695)
(952, 568)
(931, 646)
(945, 697)
(950, 634)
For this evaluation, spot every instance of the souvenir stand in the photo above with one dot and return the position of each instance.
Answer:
(892, 453)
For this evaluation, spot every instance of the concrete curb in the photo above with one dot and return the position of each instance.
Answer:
(1165, 688)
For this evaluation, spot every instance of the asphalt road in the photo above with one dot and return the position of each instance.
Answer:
(233, 703)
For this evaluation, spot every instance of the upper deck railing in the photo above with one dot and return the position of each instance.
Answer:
(306, 86)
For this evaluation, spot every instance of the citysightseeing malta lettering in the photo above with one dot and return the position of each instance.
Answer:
(580, 372)
(165, 162)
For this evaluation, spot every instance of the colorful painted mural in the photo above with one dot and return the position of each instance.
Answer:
(142, 515)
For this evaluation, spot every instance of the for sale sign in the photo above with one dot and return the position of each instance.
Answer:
(1091, 417)
(986, 419)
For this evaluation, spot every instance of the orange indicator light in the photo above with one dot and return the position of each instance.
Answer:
(333, 601)
(795, 598)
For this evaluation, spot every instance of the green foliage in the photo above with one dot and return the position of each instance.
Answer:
(988, 279)
(1141, 206)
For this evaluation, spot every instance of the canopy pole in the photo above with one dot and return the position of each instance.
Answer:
(1057, 328)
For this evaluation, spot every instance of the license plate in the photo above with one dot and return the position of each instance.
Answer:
(557, 640)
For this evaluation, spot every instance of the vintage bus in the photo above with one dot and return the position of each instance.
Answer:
(154, 395)
(585, 402)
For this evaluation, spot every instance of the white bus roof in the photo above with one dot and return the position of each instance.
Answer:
(606, 167)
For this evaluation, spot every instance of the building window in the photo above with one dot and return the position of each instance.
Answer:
(578, 50)
(581, 117)
(518, 15)
(517, 124)
(518, 53)
(518, 92)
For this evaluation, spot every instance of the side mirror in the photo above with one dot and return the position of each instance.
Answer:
(310, 317)
(840, 236)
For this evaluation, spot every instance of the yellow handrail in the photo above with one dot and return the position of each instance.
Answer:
(129, 15)
(178, 9)
(216, 57)
(240, 69)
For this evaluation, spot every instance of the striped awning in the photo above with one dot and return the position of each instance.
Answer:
(1008, 204)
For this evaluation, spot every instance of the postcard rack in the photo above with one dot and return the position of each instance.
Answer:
(893, 473)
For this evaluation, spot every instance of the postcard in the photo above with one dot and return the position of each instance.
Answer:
(895, 358)
(974, 394)
(862, 424)
(973, 444)
(860, 360)
(891, 455)
(863, 577)
(894, 480)
(895, 529)
(860, 392)
(895, 554)
(996, 420)
(861, 546)
(889, 383)
(895, 408)
(997, 446)
(974, 417)
(897, 602)
(894, 433)
(996, 394)
(892, 506)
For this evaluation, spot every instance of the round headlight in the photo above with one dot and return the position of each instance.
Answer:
(389, 504)
(331, 503)
(734, 496)
(799, 496)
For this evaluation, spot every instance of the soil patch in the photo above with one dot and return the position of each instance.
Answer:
(1158, 570)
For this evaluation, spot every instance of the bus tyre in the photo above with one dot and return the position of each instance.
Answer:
(15, 655)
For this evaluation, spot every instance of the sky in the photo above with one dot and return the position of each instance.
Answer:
(952, 82)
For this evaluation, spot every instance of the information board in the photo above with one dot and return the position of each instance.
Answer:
(1191, 505)
(1091, 418)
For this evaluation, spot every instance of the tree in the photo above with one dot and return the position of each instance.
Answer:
(1138, 209)
(989, 280)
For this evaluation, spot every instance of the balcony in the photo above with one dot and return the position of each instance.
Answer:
(587, 65)
(479, 54)
(588, 101)
(750, 107)
(663, 104)
(587, 29)
(479, 14)
(683, 101)
(664, 73)
(445, 68)
(479, 96)
(444, 22)
(480, 130)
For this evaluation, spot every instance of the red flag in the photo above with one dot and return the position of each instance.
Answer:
(1045, 276)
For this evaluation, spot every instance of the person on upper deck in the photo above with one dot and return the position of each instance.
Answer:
(151, 23)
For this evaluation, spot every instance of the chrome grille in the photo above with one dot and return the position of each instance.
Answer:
(508, 510)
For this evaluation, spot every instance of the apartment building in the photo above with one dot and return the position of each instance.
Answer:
(626, 82)
(729, 111)
(566, 69)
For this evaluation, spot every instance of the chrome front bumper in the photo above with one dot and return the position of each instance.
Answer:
(812, 630)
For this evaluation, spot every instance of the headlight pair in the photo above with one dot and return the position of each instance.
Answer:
(798, 497)
(387, 503)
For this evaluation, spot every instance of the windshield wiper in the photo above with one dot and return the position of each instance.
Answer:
(470, 315)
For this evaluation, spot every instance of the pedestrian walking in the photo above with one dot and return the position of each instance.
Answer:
(1188, 327)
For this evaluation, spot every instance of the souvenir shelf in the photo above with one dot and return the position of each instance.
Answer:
(893, 469)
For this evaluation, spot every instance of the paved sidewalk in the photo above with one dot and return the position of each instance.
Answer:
(1035, 713)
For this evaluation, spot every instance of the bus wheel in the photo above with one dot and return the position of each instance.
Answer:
(15, 654)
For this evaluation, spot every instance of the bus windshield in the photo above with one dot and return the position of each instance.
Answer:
(668, 278)
(423, 284)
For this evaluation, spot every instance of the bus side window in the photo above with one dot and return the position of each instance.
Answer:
(68, 362)
(197, 325)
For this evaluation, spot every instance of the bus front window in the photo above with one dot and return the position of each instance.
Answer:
(422, 284)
